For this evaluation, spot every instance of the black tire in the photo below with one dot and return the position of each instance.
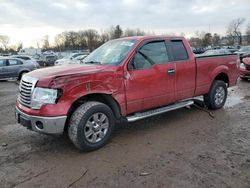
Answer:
(21, 74)
(78, 125)
(214, 99)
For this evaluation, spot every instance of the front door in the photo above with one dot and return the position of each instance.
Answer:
(14, 65)
(150, 79)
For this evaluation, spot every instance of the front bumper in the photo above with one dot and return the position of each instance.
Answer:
(46, 125)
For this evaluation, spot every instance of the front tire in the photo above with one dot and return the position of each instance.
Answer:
(217, 95)
(91, 126)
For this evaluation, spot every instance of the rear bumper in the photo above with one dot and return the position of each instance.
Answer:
(45, 125)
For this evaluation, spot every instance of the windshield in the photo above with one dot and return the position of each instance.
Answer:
(112, 52)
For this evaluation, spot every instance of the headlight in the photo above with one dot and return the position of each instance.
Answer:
(43, 96)
(242, 66)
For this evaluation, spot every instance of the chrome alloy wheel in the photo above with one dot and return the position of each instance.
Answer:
(219, 95)
(96, 127)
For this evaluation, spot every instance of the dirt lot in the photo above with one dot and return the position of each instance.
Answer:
(183, 148)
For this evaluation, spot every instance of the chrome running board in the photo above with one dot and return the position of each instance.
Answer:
(149, 113)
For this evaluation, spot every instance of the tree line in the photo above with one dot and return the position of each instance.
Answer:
(234, 36)
(90, 39)
(87, 39)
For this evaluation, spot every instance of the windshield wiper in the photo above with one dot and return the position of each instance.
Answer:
(93, 62)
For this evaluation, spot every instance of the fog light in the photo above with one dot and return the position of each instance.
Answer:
(39, 125)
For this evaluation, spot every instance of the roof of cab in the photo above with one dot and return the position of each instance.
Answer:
(140, 38)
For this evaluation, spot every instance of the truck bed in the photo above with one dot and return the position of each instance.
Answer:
(208, 66)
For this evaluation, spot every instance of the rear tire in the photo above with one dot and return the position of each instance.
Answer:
(91, 126)
(217, 95)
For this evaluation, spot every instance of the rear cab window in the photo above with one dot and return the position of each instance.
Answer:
(13, 62)
(179, 51)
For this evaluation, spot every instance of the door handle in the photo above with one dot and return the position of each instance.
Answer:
(171, 72)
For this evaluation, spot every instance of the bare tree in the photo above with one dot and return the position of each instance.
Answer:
(195, 42)
(200, 34)
(104, 35)
(45, 42)
(91, 38)
(19, 46)
(199, 38)
(59, 42)
(4, 40)
(248, 33)
(216, 39)
(234, 31)
(134, 32)
(71, 39)
(207, 40)
(81, 40)
(39, 42)
(117, 32)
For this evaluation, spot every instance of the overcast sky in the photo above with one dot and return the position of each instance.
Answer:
(29, 20)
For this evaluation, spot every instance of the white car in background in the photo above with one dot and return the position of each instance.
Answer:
(76, 60)
(244, 51)
(216, 52)
(68, 58)
(30, 51)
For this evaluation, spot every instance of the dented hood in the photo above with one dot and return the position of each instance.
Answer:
(65, 70)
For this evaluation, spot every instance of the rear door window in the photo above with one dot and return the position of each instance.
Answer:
(179, 51)
(23, 57)
(13, 62)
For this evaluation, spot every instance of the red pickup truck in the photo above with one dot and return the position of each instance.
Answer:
(124, 79)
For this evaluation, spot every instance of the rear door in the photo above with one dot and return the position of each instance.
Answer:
(3, 69)
(150, 79)
(14, 66)
(185, 69)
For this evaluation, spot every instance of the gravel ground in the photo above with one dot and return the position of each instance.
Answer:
(182, 148)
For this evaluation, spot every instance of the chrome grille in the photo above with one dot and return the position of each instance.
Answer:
(26, 87)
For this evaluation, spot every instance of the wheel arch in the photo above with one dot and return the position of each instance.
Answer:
(100, 97)
(223, 77)
(21, 72)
